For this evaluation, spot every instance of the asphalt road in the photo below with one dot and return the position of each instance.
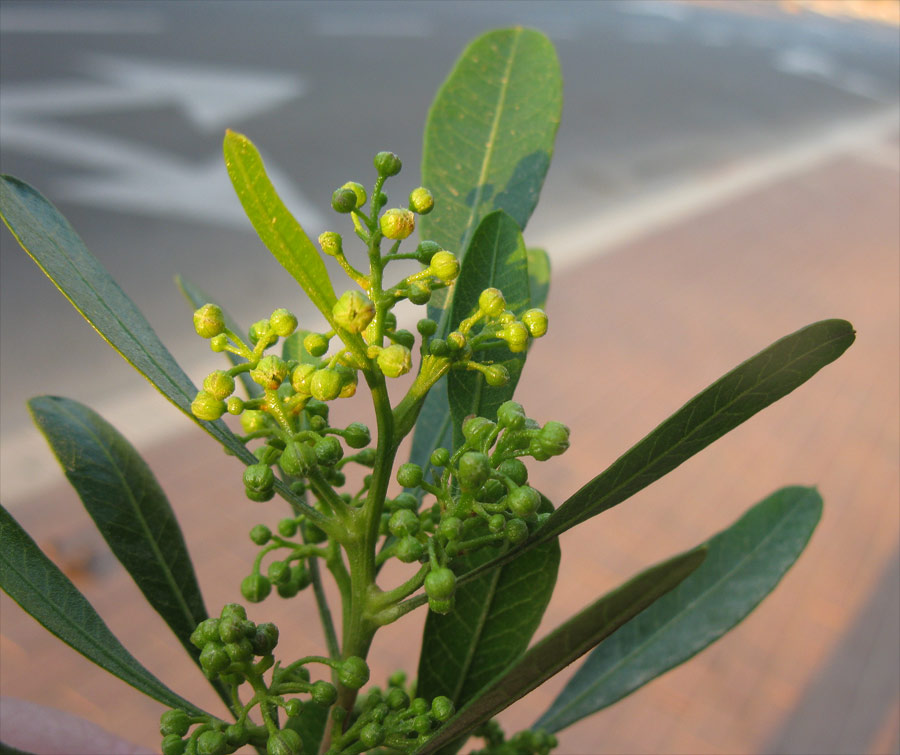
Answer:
(116, 111)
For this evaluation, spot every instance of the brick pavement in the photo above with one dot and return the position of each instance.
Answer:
(633, 335)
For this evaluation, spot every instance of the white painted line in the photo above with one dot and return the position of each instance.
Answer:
(618, 225)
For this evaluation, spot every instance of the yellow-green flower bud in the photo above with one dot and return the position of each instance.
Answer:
(331, 243)
(349, 381)
(395, 360)
(496, 375)
(359, 190)
(419, 292)
(315, 344)
(536, 322)
(353, 311)
(253, 421)
(300, 378)
(283, 322)
(260, 330)
(209, 321)
(492, 302)
(325, 385)
(208, 407)
(218, 343)
(445, 266)
(387, 164)
(516, 336)
(421, 201)
(234, 405)
(270, 372)
(219, 384)
(397, 223)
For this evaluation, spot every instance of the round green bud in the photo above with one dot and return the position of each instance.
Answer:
(256, 588)
(206, 631)
(404, 338)
(214, 659)
(419, 706)
(442, 708)
(390, 322)
(300, 379)
(258, 477)
(297, 459)
(235, 610)
(442, 607)
(359, 190)
(270, 372)
(286, 528)
(426, 327)
(405, 501)
(496, 375)
(279, 572)
(491, 492)
(409, 475)
(331, 243)
(316, 408)
(293, 708)
(328, 450)
(516, 336)
(174, 722)
(283, 322)
(325, 384)
(426, 250)
(492, 302)
(516, 531)
(349, 381)
(239, 651)
(440, 583)
(403, 522)
(207, 407)
(284, 742)
(445, 266)
(287, 589)
(234, 405)
(387, 164)
(265, 639)
(524, 501)
(315, 344)
(260, 330)
(450, 527)
(397, 224)
(497, 523)
(397, 699)
(409, 550)
(219, 384)
(209, 321)
(218, 343)
(456, 341)
(172, 744)
(511, 414)
(554, 438)
(372, 735)
(253, 420)
(236, 734)
(259, 496)
(323, 693)
(353, 672)
(421, 201)
(477, 429)
(231, 628)
(343, 200)
(536, 321)
(395, 360)
(357, 435)
(438, 347)
(353, 311)
(515, 470)
(211, 743)
(419, 292)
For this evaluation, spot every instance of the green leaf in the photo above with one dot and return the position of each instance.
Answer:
(489, 135)
(567, 643)
(43, 591)
(293, 350)
(278, 229)
(538, 277)
(6, 749)
(497, 258)
(310, 725)
(197, 297)
(744, 563)
(494, 620)
(129, 508)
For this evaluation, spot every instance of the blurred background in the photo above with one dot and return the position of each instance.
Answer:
(725, 173)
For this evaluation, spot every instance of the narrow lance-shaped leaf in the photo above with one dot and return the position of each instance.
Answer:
(489, 135)
(567, 643)
(197, 298)
(35, 583)
(51, 242)
(744, 563)
(129, 508)
(279, 230)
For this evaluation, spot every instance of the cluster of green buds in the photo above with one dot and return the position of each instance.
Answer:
(528, 742)
(391, 719)
(482, 496)
(234, 651)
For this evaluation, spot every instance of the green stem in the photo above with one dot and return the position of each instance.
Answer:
(331, 641)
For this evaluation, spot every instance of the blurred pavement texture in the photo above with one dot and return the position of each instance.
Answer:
(634, 334)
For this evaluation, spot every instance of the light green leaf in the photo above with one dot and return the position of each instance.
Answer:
(489, 135)
(278, 229)
(43, 591)
(538, 277)
(567, 643)
(744, 563)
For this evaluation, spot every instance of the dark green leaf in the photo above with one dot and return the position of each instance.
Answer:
(567, 643)
(278, 229)
(310, 725)
(43, 591)
(6, 749)
(744, 563)
(538, 277)
(494, 620)
(129, 508)
(496, 258)
(197, 298)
